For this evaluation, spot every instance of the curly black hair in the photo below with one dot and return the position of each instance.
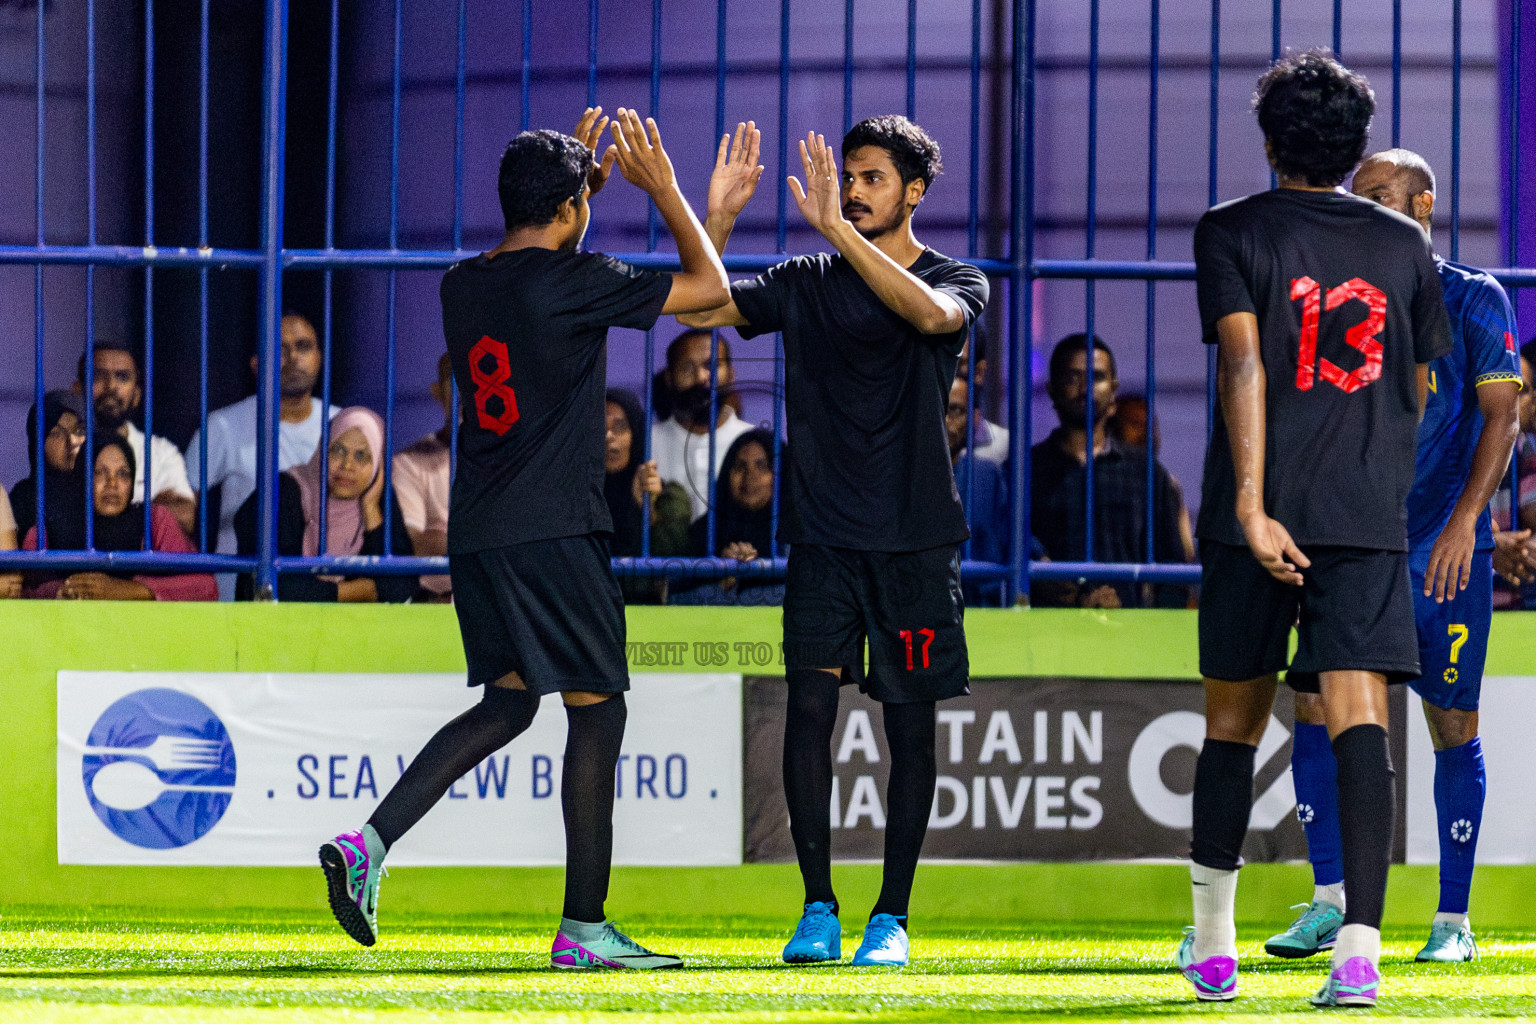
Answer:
(539, 171)
(1316, 116)
(912, 150)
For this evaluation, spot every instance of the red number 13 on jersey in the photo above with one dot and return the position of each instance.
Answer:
(1362, 336)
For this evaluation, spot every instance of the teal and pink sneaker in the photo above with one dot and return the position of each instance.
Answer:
(1355, 982)
(585, 946)
(352, 880)
(1214, 978)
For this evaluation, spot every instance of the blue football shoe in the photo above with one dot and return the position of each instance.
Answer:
(818, 937)
(884, 945)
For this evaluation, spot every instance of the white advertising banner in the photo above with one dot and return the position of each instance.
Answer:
(1509, 817)
(258, 769)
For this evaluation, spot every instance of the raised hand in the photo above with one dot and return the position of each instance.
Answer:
(589, 132)
(820, 199)
(736, 173)
(641, 158)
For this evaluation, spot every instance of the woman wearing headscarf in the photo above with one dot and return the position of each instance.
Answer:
(63, 437)
(743, 511)
(118, 526)
(626, 483)
(349, 479)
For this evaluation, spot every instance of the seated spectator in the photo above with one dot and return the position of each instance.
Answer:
(984, 493)
(231, 433)
(1514, 555)
(119, 526)
(63, 437)
(10, 582)
(990, 442)
(350, 480)
(1060, 466)
(680, 445)
(626, 481)
(118, 393)
(743, 523)
(1129, 425)
(420, 479)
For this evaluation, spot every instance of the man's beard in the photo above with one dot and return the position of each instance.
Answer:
(110, 419)
(691, 405)
(1075, 414)
(293, 385)
(872, 230)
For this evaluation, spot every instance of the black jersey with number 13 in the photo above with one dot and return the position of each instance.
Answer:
(1348, 302)
(527, 334)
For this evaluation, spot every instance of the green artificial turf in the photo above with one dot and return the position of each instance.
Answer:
(126, 966)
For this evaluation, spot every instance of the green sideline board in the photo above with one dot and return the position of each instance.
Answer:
(37, 639)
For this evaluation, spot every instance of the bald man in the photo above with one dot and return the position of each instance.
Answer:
(1464, 444)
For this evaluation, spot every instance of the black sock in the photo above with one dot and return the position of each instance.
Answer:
(1366, 807)
(500, 717)
(809, 718)
(1223, 802)
(586, 797)
(909, 733)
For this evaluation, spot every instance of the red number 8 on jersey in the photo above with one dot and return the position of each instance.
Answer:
(493, 385)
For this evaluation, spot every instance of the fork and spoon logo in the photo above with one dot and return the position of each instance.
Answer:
(159, 768)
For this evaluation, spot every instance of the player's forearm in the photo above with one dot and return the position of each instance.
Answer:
(1241, 388)
(702, 268)
(1495, 444)
(902, 291)
(718, 226)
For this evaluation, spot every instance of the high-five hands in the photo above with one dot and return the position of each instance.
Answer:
(736, 172)
(589, 132)
(641, 158)
(820, 199)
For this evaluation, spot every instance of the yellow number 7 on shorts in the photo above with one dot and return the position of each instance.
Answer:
(1460, 633)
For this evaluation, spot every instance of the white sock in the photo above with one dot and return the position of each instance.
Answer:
(1357, 940)
(1215, 896)
(1331, 894)
(1456, 919)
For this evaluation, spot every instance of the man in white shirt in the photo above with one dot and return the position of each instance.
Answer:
(421, 475)
(118, 392)
(989, 441)
(680, 445)
(231, 433)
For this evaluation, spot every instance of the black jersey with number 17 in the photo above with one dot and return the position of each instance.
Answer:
(527, 334)
(1348, 303)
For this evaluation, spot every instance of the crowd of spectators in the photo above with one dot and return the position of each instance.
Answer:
(698, 463)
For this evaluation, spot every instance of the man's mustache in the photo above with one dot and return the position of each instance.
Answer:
(855, 208)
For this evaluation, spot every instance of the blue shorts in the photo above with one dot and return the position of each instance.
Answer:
(1453, 637)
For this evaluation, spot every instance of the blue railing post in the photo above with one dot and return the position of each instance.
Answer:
(274, 97)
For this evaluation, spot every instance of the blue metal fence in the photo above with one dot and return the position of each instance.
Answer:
(1017, 271)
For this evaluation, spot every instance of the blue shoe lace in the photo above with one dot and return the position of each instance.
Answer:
(814, 918)
(883, 932)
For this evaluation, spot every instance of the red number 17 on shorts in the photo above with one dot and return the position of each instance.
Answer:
(906, 638)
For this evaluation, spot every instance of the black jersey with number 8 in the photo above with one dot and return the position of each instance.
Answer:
(1348, 302)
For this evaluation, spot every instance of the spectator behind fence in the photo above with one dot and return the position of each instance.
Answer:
(989, 441)
(1057, 510)
(118, 393)
(743, 523)
(63, 437)
(1130, 426)
(10, 582)
(1514, 555)
(420, 479)
(119, 526)
(626, 480)
(680, 445)
(231, 433)
(984, 493)
(350, 480)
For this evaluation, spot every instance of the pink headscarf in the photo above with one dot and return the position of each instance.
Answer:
(343, 519)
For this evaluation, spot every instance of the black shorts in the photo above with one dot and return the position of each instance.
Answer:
(549, 610)
(907, 604)
(1353, 612)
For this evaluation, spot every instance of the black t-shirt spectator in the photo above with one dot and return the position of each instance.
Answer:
(866, 394)
(1057, 514)
(392, 589)
(1348, 301)
(527, 333)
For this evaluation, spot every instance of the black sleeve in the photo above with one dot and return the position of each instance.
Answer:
(970, 288)
(1219, 284)
(1431, 323)
(615, 294)
(290, 541)
(761, 301)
